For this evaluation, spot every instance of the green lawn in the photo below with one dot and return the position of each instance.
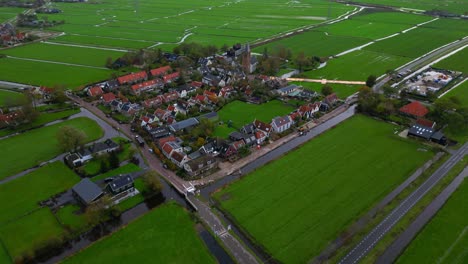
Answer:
(27, 233)
(456, 62)
(304, 200)
(461, 92)
(164, 235)
(135, 200)
(358, 65)
(67, 54)
(445, 238)
(128, 168)
(4, 257)
(43, 119)
(69, 218)
(342, 90)
(39, 145)
(243, 113)
(34, 187)
(50, 74)
(457, 6)
(10, 97)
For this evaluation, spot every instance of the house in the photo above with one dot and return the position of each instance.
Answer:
(226, 92)
(427, 133)
(115, 105)
(248, 129)
(95, 91)
(162, 114)
(171, 77)
(170, 147)
(198, 99)
(148, 119)
(185, 124)
(158, 72)
(182, 107)
(331, 99)
(414, 109)
(281, 123)
(138, 88)
(171, 96)
(150, 103)
(179, 158)
(260, 136)
(159, 132)
(107, 98)
(164, 140)
(295, 117)
(211, 96)
(129, 109)
(133, 78)
(287, 90)
(425, 122)
(261, 126)
(86, 191)
(249, 139)
(200, 165)
(87, 153)
(121, 184)
(9, 119)
(111, 85)
(230, 149)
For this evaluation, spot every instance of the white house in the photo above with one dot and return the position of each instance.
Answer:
(281, 123)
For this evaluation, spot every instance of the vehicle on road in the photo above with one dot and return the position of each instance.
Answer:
(140, 141)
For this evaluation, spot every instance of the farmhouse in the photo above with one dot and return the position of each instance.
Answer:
(121, 184)
(86, 191)
(414, 109)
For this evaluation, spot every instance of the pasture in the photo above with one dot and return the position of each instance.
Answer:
(357, 66)
(8, 97)
(456, 62)
(320, 188)
(241, 113)
(17, 146)
(445, 237)
(461, 92)
(23, 235)
(34, 187)
(456, 7)
(7, 13)
(164, 235)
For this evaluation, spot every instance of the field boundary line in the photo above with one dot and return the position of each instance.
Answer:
(448, 251)
(56, 62)
(458, 84)
(82, 46)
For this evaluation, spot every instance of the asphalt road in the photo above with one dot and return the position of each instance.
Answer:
(372, 238)
(397, 247)
(424, 60)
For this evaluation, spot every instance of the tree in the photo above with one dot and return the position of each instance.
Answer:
(70, 138)
(371, 80)
(302, 61)
(327, 90)
(114, 160)
(389, 90)
(152, 182)
(58, 95)
(109, 62)
(28, 108)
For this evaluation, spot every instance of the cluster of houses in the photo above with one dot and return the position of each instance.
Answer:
(9, 35)
(10, 118)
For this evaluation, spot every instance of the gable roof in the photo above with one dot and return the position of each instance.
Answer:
(280, 121)
(108, 97)
(95, 91)
(171, 77)
(425, 122)
(87, 190)
(262, 126)
(184, 124)
(146, 84)
(164, 140)
(177, 156)
(132, 77)
(414, 108)
(120, 182)
(160, 70)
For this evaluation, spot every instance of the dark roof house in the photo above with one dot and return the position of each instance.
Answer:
(87, 191)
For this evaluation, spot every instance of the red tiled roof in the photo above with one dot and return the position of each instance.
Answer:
(138, 86)
(160, 71)
(167, 148)
(152, 101)
(294, 115)
(108, 97)
(145, 118)
(171, 77)
(259, 134)
(45, 89)
(132, 77)
(200, 98)
(9, 117)
(331, 98)
(171, 108)
(95, 91)
(196, 84)
(163, 141)
(425, 122)
(177, 156)
(262, 126)
(414, 108)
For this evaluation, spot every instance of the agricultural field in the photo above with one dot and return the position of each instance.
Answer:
(341, 90)
(297, 187)
(456, 62)
(50, 73)
(7, 13)
(445, 238)
(241, 113)
(357, 66)
(456, 7)
(34, 187)
(416, 42)
(164, 235)
(130, 24)
(16, 146)
(49, 51)
(461, 92)
(8, 97)
(22, 236)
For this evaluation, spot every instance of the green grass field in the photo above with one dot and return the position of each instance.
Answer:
(456, 62)
(241, 113)
(66, 54)
(457, 6)
(445, 238)
(320, 188)
(341, 90)
(39, 145)
(164, 235)
(358, 65)
(49, 74)
(23, 235)
(34, 187)
(9, 12)
(461, 92)
(68, 217)
(10, 97)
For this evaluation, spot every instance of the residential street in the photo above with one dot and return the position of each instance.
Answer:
(371, 239)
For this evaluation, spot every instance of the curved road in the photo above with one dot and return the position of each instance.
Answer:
(372, 238)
